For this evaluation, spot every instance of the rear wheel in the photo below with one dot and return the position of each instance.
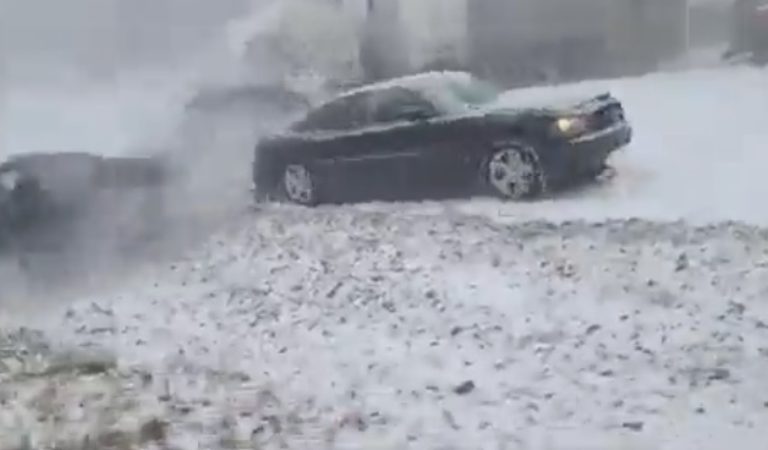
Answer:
(299, 185)
(513, 172)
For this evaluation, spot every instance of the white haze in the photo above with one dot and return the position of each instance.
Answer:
(101, 76)
(78, 79)
(96, 38)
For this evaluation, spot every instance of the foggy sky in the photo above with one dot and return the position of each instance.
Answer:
(97, 35)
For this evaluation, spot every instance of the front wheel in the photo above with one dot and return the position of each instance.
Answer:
(513, 172)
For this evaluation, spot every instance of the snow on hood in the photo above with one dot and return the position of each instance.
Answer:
(426, 82)
(543, 100)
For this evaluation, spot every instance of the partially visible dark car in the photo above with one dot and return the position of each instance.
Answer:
(749, 31)
(43, 196)
(442, 133)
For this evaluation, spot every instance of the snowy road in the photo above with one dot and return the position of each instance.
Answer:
(460, 324)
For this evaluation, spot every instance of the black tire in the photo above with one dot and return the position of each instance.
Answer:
(523, 179)
(298, 184)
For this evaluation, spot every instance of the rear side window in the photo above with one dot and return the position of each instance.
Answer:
(393, 104)
(339, 115)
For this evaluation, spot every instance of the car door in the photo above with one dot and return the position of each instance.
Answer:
(366, 141)
(394, 142)
(376, 143)
(395, 137)
(325, 138)
(427, 145)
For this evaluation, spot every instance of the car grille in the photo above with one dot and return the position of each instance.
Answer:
(607, 117)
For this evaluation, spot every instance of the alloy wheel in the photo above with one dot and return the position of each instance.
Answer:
(513, 173)
(298, 184)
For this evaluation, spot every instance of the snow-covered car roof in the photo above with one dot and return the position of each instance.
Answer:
(449, 90)
(455, 90)
(461, 92)
(422, 82)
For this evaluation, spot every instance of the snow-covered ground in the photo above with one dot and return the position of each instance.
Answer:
(373, 330)
(440, 325)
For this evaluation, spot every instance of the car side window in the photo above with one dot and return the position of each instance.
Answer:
(339, 115)
(398, 104)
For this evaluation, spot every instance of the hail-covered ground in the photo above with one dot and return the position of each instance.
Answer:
(630, 314)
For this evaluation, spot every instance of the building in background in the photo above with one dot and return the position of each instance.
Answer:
(384, 46)
(296, 38)
(437, 32)
(515, 42)
(402, 36)
(521, 41)
(530, 41)
(709, 22)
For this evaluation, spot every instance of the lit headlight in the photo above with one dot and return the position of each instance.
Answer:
(570, 125)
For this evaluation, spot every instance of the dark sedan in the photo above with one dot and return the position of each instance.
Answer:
(749, 31)
(436, 134)
(45, 196)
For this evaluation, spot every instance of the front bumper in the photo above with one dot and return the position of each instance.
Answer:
(586, 154)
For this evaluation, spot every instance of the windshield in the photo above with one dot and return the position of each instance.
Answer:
(475, 93)
(456, 97)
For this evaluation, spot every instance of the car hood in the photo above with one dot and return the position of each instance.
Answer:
(515, 103)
